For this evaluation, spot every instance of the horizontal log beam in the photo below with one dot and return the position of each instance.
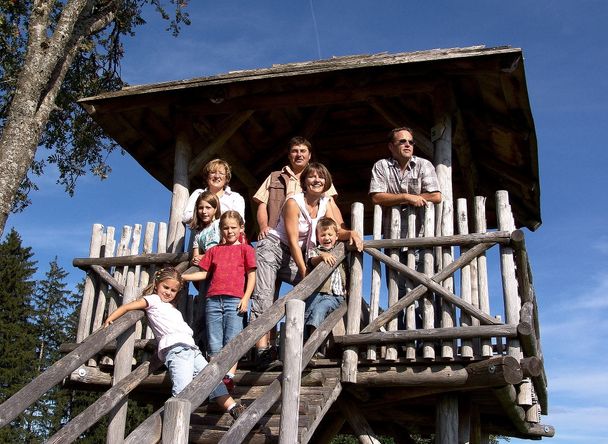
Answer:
(494, 372)
(110, 347)
(136, 259)
(498, 237)
(404, 336)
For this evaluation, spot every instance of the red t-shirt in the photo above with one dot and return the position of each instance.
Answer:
(227, 266)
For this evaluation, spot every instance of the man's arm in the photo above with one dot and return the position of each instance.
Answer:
(416, 200)
(262, 218)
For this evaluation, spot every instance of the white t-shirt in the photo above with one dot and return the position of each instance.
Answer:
(167, 324)
(230, 200)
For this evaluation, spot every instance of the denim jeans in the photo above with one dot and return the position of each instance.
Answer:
(274, 263)
(184, 362)
(199, 324)
(318, 306)
(224, 321)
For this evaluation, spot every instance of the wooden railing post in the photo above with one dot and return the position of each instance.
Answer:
(181, 181)
(507, 265)
(176, 421)
(88, 297)
(123, 362)
(374, 299)
(353, 324)
(482, 270)
(292, 372)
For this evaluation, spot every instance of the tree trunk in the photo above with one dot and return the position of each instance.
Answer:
(46, 63)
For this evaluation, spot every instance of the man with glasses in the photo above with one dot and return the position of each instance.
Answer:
(406, 181)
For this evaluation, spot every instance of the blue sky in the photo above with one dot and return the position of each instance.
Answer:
(565, 54)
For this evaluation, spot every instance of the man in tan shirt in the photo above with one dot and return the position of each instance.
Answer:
(281, 184)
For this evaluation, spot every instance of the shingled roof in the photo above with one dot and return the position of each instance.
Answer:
(345, 106)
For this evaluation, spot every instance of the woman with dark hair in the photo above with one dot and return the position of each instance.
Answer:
(283, 252)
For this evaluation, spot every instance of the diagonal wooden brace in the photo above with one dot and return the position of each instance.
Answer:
(430, 284)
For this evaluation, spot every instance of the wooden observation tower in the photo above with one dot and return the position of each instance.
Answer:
(473, 368)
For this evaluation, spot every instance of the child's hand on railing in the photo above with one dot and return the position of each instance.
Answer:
(328, 258)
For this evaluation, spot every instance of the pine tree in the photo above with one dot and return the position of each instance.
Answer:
(17, 336)
(53, 306)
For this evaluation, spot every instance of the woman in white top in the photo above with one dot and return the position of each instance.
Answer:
(217, 175)
(282, 253)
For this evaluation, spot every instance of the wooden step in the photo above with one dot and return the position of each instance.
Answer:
(208, 424)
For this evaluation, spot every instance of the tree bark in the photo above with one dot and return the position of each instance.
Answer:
(39, 81)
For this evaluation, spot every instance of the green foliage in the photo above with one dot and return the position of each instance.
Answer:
(52, 307)
(17, 335)
(74, 142)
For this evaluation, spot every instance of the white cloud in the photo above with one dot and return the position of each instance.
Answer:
(580, 383)
(579, 424)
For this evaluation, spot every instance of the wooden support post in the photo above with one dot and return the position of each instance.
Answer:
(292, 372)
(357, 421)
(181, 183)
(464, 419)
(176, 421)
(446, 422)
(476, 432)
(86, 308)
(122, 367)
(353, 324)
(441, 135)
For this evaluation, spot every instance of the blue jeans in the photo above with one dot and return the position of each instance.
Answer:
(184, 362)
(318, 306)
(224, 321)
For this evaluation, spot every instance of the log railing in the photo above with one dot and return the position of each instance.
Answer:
(114, 337)
(449, 276)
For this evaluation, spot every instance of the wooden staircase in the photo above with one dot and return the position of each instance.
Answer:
(318, 392)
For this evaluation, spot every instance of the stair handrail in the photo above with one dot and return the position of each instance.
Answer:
(26, 396)
(245, 423)
(150, 430)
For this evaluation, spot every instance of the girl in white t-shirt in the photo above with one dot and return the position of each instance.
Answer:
(176, 346)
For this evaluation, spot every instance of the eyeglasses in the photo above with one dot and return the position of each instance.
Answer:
(404, 142)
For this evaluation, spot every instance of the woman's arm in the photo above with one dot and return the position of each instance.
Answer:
(344, 234)
(291, 215)
(189, 208)
(138, 304)
(249, 285)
